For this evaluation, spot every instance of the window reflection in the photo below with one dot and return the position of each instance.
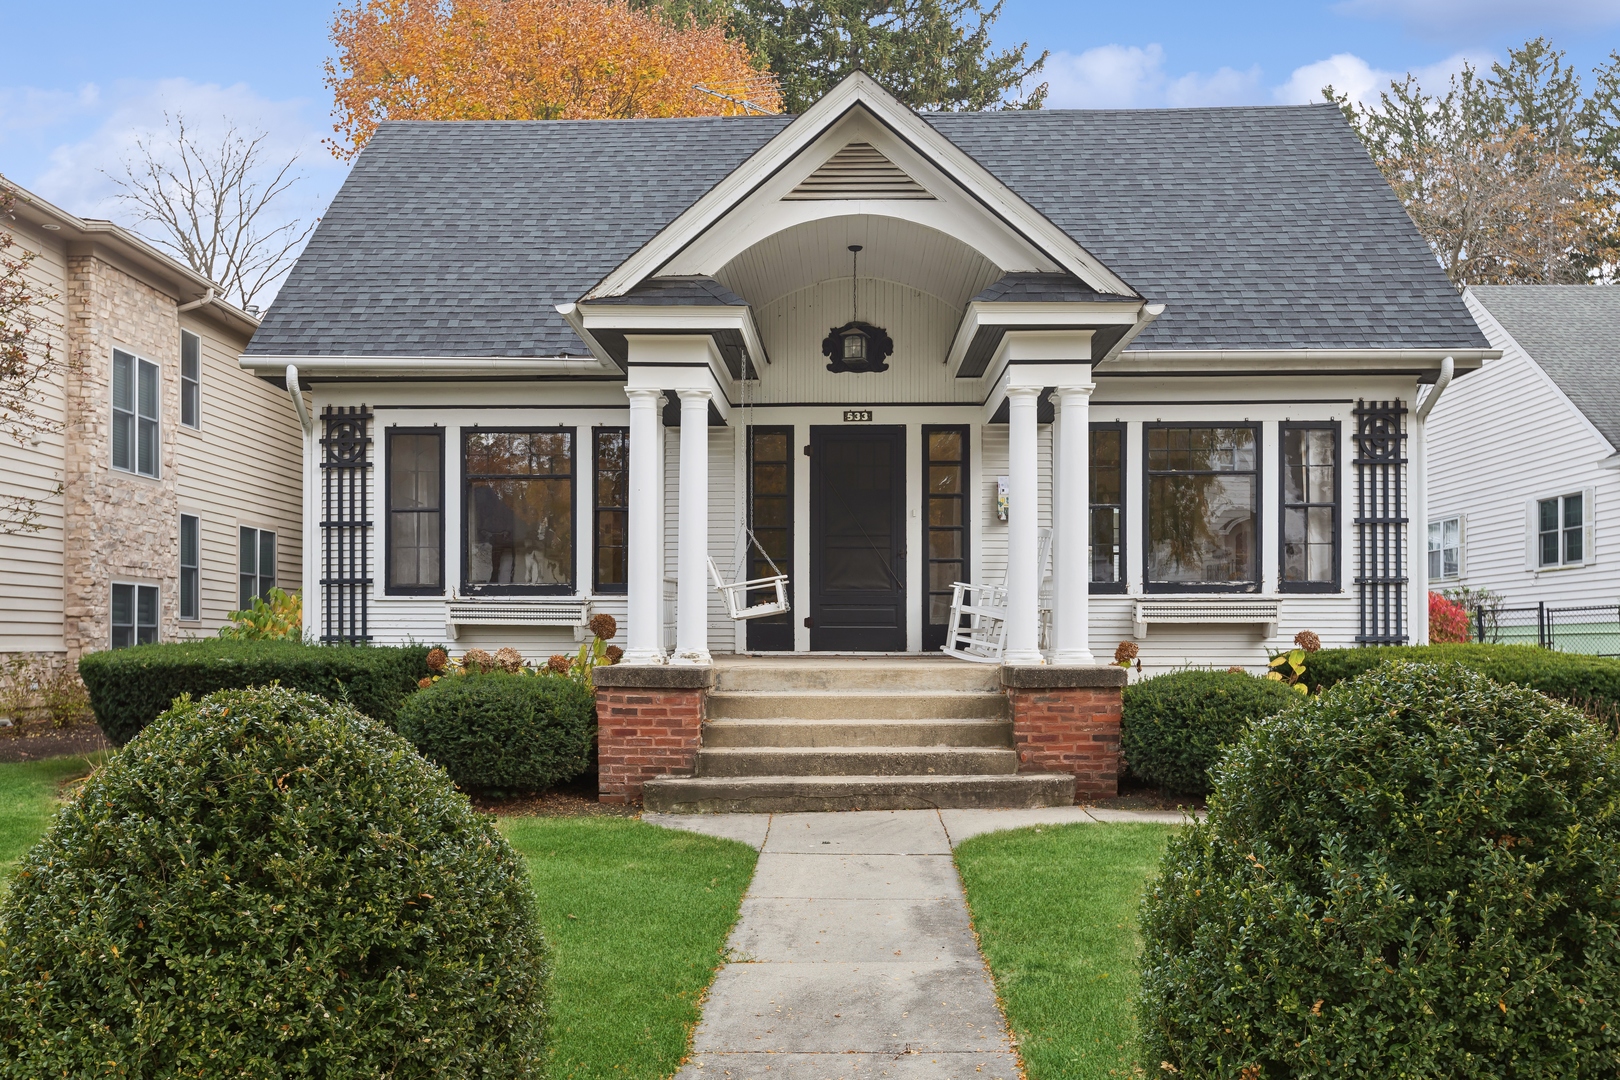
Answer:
(519, 509)
(1202, 506)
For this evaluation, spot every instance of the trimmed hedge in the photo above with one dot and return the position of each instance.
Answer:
(1174, 726)
(503, 733)
(266, 883)
(129, 688)
(1415, 874)
(1591, 682)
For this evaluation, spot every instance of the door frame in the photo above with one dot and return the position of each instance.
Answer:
(895, 435)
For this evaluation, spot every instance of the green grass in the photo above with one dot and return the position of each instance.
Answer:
(28, 803)
(1055, 909)
(637, 918)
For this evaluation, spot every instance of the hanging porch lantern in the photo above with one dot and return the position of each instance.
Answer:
(857, 346)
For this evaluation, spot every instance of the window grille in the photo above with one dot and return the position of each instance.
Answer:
(346, 524)
(1381, 522)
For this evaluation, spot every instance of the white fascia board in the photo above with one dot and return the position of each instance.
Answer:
(860, 91)
(677, 319)
(424, 366)
(1222, 362)
(1036, 316)
(679, 362)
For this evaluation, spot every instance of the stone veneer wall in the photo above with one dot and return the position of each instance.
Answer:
(1066, 719)
(117, 525)
(649, 723)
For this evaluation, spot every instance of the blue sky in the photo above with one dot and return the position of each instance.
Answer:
(84, 80)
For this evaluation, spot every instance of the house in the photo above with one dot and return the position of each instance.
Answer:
(178, 472)
(1153, 371)
(1523, 469)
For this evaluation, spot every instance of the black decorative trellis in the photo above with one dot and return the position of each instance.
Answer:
(346, 524)
(1381, 582)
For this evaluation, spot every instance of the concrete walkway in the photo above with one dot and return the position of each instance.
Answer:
(854, 958)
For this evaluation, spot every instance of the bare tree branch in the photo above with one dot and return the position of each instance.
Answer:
(28, 361)
(211, 207)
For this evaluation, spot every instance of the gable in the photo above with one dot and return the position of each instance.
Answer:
(858, 171)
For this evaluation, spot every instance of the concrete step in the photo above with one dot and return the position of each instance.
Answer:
(856, 705)
(997, 733)
(856, 674)
(788, 794)
(855, 761)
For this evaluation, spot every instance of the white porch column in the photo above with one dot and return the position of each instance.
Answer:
(1071, 551)
(644, 526)
(692, 559)
(1023, 576)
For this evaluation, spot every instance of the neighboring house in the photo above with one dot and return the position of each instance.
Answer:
(561, 365)
(1524, 479)
(179, 471)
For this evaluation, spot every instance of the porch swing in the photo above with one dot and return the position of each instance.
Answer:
(736, 592)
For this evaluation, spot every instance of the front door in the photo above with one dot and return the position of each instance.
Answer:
(857, 539)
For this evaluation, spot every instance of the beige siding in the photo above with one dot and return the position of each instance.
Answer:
(31, 563)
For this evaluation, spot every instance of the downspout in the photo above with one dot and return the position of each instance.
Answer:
(207, 298)
(1420, 503)
(312, 580)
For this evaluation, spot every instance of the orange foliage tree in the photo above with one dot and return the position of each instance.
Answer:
(530, 60)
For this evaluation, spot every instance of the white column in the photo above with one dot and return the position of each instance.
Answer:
(1023, 585)
(644, 527)
(692, 558)
(1072, 533)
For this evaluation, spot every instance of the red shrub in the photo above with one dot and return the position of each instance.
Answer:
(1448, 621)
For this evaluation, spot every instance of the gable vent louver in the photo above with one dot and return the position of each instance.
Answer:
(858, 171)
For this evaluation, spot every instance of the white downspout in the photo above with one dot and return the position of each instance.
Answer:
(207, 298)
(311, 523)
(1420, 503)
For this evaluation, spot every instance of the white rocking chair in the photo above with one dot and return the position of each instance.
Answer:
(977, 631)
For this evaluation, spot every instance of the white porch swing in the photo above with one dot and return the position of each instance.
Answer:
(736, 592)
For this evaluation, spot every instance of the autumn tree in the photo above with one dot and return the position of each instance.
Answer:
(531, 60)
(28, 362)
(1511, 177)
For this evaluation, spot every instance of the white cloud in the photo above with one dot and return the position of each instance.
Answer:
(1453, 19)
(1350, 74)
(27, 108)
(1226, 87)
(1133, 77)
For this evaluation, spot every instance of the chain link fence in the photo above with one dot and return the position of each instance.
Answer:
(1593, 629)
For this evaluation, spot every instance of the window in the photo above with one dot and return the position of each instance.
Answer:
(1202, 508)
(947, 486)
(1310, 508)
(134, 615)
(190, 379)
(611, 509)
(1561, 530)
(257, 566)
(135, 414)
(518, 511)
(415, 511)
(1445, 549)
(190, 567)
(1107, 507)
(770, 487)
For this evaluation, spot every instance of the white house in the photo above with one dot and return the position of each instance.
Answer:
(1523, 469)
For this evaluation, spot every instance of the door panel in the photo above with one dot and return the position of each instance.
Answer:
(857, 558)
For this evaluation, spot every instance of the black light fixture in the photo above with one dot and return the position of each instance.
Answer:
(857, 346)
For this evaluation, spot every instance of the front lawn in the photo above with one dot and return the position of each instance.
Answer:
(1055, 909)
(28, 802)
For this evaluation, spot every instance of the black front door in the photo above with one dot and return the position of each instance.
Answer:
(857, 539)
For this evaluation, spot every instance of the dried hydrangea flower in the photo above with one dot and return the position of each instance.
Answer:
(604, 626)
(437, 659)
(1307, 640)
(558, 663)
(509, 659)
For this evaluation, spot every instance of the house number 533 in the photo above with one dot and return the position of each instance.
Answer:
(857, 416)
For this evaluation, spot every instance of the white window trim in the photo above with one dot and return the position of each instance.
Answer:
(137, 585)
(1462, 546)
(134, 468)
(183, 380)
(179, 595)
(258, 548)
(1532, 551)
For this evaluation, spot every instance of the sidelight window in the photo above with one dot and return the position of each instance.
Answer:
(1202, 508)
(415, 511)
(947, 485)
(770, 485)
(518, 511)
(612, 509)
(1107, 507)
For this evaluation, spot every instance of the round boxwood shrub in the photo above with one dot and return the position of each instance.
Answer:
(265, 883)
(1416, 874)
(503, 733)
(1174, 726)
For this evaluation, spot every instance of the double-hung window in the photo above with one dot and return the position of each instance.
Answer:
(190, 567)
(1445, 549)
(612, 510)
(1107, 507)
(1561, 526)
(517, 511)
(1310, 507)
(415, 511)
(134, 414)
(134, 615)
(190, 379)
(1203, 508)
(256, 565)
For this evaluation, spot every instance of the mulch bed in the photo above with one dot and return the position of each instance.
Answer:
(34, 740)
(1135, 795)
(576, 799)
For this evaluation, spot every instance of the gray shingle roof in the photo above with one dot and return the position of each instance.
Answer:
(1260, 228)
(1573, 333)
(1041, 288)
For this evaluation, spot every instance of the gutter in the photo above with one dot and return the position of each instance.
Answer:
(1448, 368)
(1144, 319)
(571, 315)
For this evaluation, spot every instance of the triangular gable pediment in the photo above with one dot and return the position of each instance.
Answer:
(858, 150)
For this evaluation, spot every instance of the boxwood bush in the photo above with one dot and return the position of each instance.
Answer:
(265, 883)
(1416, 874)
(1175, 725)
(503, 733)
(129, 688)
